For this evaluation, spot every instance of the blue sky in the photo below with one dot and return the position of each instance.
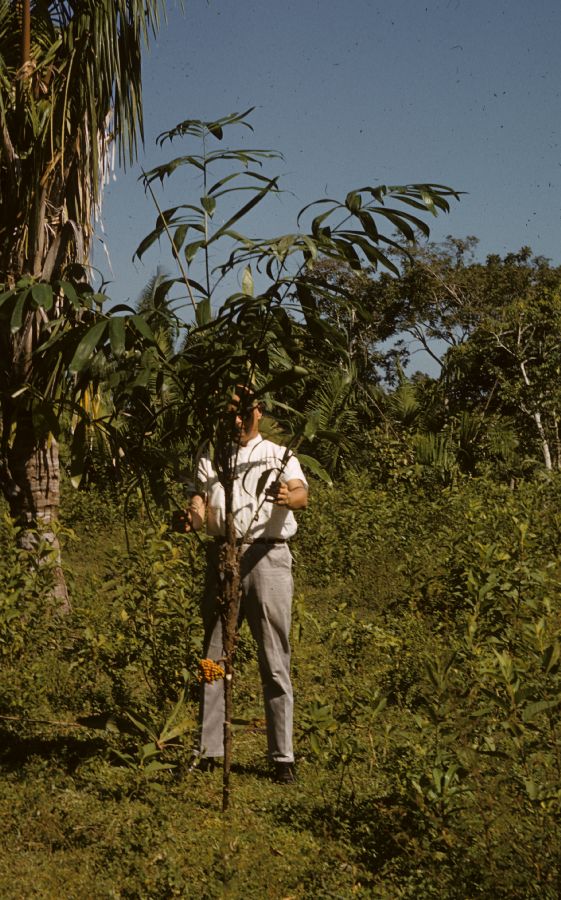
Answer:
(353, 92)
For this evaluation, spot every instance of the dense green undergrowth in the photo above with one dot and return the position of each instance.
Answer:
(428, 697)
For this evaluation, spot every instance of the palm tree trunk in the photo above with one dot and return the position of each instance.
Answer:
(34, 495)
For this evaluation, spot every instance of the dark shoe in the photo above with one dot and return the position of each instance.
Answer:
(284, 773)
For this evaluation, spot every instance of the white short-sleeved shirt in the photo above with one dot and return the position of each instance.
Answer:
(254, 516)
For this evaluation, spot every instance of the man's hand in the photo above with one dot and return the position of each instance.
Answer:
(288, 494)
(191, 519)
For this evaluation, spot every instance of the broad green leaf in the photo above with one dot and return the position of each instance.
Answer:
(550, 658)
(197, 286)
(283, 378)
(142, 726)
(335, 204)
(19, 308)
(315, 467)
(247, 281)
(311, 426)
(315, 744)
(146, 243)
(203, 311)
(531, 710)
(78, 454)
(149, 750)
(117, 334)
(353, 201)
(143, 328)
(208, 204)
(42, 295)
(192, 249)
(69, 292)
(270, 187)
(532, 788)
(179, 236)
(87, 347)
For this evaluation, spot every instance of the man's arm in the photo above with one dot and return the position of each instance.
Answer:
(197, 512)
(292, 494)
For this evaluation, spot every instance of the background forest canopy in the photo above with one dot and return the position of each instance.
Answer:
(491, 404)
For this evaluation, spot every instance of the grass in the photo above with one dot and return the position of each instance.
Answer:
(77, 825)
(426, 768)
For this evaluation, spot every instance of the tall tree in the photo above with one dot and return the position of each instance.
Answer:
(250, 341)
(70, 89)
(493, 328)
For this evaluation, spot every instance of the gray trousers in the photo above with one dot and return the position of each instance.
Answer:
(266, 571)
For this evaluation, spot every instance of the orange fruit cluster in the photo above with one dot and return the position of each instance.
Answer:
(209, 671)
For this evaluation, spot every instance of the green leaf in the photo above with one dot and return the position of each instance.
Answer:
(78, 454)
(87, 346)
(146, 243)
(353, 201)
(203, 311)
(532, 788)
(315, 744)
(192, 249)
(271, 186)
(69, 292)
(208, 204)
(311, 426)
(142, 726)
(17, 314)
(42, 295)
(531, 710)
(179, 236)
(283, 378)
(143, 328)
(315, 467)
(550, 658)
(247, 281)
(149, 750)
(117, 334)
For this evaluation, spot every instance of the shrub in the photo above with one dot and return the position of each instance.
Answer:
(145, 632)
(29, 629)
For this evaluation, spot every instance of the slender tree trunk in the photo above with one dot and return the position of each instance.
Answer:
(544, 442)
(539, 424)
(229, 612)
(25, 32)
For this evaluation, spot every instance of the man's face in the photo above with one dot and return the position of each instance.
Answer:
(247, 418)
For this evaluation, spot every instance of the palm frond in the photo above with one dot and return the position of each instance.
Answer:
(334, 408)
(82, 92)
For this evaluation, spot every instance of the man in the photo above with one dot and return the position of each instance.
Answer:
(268, 486)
